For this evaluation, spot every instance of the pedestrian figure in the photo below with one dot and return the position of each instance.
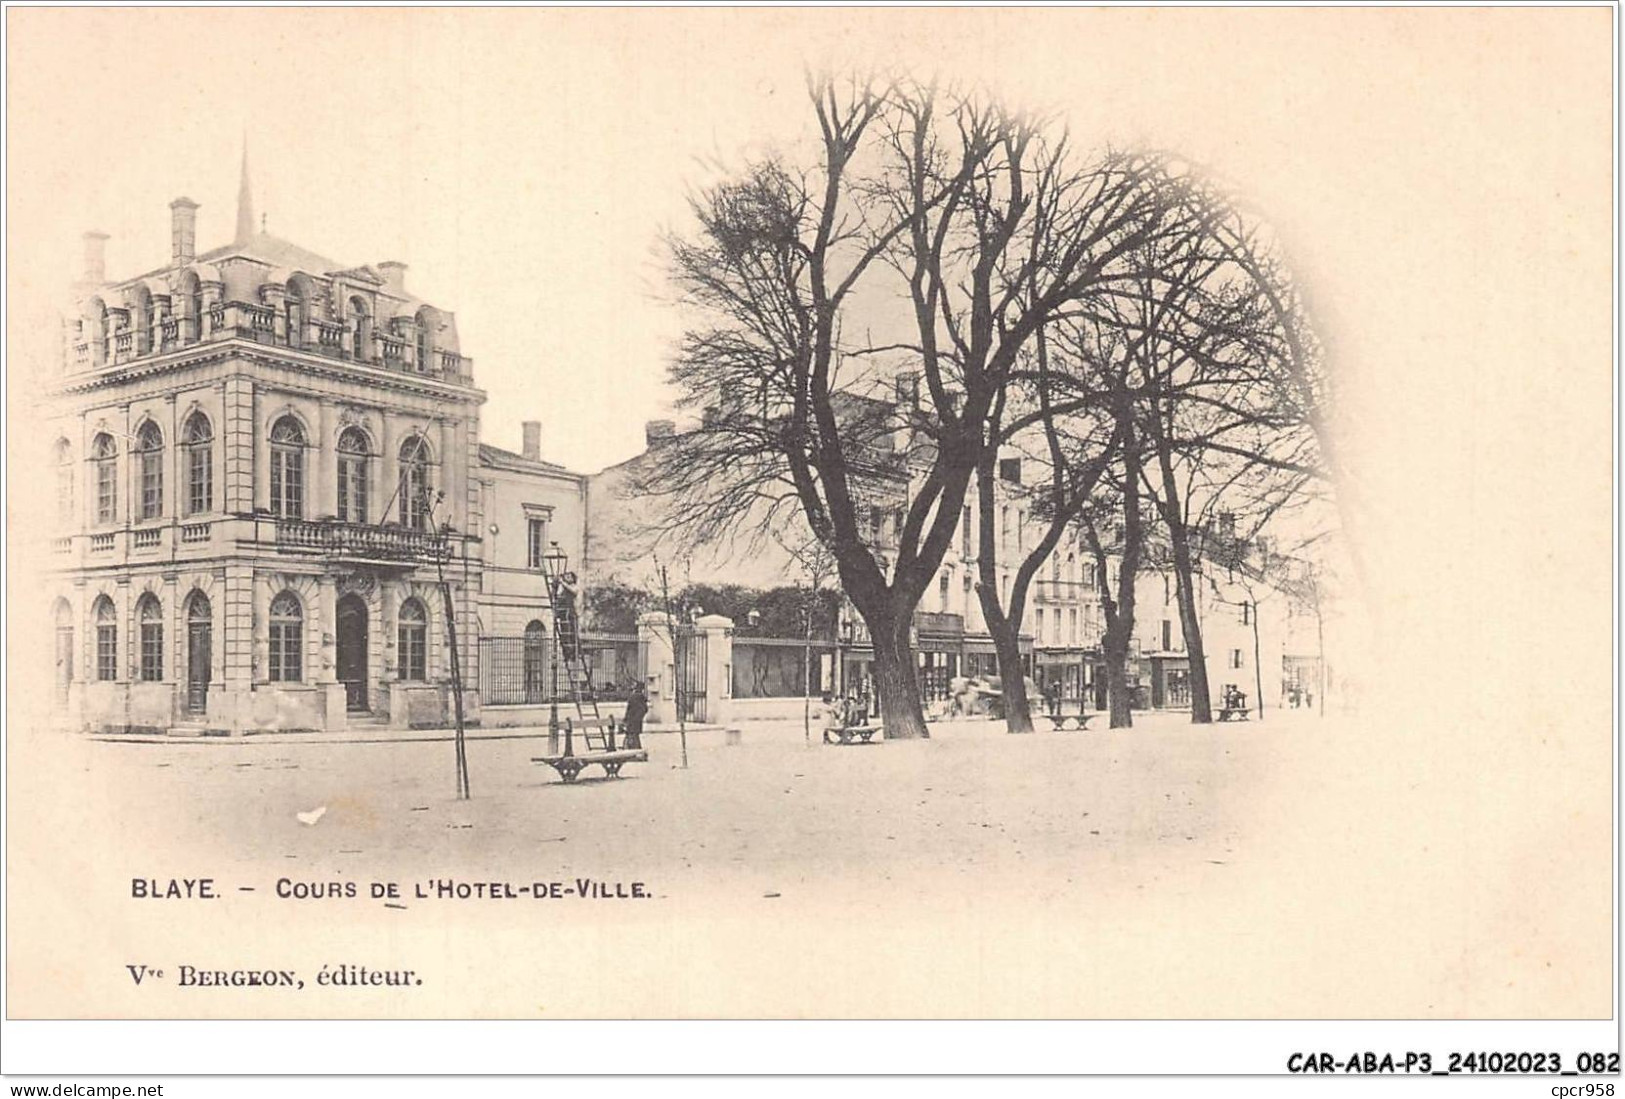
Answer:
(637, 708)
(564, 614)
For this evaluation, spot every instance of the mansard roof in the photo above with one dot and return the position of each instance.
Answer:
(276, 252)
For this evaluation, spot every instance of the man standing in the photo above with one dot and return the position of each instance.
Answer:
(637, 707)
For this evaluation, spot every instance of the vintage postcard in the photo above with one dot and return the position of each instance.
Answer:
(810, 514)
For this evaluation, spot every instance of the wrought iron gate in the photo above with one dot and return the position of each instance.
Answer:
(691, 674)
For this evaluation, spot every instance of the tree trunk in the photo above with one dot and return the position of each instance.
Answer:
(1189, 624)
(1018, 715)
(1118, 698)
(1004, 628)
(896, 680)
(1258, 662)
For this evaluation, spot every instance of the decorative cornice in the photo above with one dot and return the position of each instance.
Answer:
(316, 365)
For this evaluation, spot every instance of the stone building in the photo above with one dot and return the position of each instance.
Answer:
(264, 463)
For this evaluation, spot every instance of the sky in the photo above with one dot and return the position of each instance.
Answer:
(1441, 179)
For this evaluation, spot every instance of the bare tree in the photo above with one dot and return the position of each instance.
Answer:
(981, 222)
(1072, 445)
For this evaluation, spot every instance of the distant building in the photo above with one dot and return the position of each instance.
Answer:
(263, 460)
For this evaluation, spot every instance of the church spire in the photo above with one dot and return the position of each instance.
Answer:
(245, 200)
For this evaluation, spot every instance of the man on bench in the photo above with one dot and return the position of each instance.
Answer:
(845, 720)
(1234, 705)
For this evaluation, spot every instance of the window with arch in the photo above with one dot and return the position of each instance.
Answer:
(414, 483)
(353, 453)
(192, 293)
(288, 469)
(144, 316)
(104, 453)
(64, 481)
(64, 647)
(413, 641)
(151, 618)
(287, 639)
(106, 639)
(360, 330)
(535, 661)
(197, 439)
(149, 446)
(425, 346)
(293, 304)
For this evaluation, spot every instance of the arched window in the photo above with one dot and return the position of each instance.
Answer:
(425, 345)
(144, 316)
(197, 437)
(151, 617)
(64, 482)
(414, 485)
(535, 661)
(288, 469)
(149, 445)
(104, 453)
(353, 450)
(287, 639)
(106, 640)
(293, 303)
(192, 295)
(413, 641)
(64, 648)
(360, 331)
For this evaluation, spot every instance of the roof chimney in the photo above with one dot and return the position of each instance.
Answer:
(658, 431)
(394, 272)
(95, 258)
(533, 440)
(183, 230)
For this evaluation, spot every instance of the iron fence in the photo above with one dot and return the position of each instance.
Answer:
(518, 671)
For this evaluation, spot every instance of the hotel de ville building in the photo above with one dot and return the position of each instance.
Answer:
(265, 463)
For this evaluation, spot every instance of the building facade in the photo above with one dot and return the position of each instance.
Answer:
(272, 501)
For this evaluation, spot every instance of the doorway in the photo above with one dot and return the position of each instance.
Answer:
(352, 652)
(199, 652)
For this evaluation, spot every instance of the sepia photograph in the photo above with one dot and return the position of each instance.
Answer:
(816, 514)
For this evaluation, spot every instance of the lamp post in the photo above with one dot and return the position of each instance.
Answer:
(555, 561)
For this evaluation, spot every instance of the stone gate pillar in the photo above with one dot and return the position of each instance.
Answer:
(716, 633)
(658, 670)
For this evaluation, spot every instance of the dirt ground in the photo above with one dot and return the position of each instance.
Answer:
(1289, 868)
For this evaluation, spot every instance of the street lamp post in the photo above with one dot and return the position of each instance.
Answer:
(556, 562)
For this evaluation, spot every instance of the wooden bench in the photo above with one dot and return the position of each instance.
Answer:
(1239, 713)
(569, 767)
(851, 734)
(1059, 720)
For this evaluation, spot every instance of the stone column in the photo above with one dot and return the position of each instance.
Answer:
(325, 498)
(175, 658)
(324, 673)
(387, 474)
(125, 512)
(451, 482)
(260, 445)
(716, 633)
(174, 504)
(659, 672)
(228, 693)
